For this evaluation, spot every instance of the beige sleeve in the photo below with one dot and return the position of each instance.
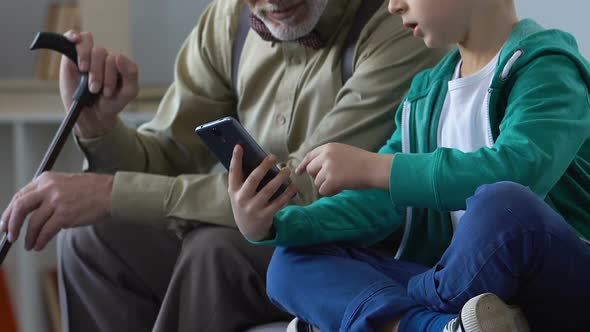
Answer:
(149, 162)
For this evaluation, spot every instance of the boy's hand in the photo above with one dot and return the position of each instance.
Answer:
(252, 210)
(336, 167)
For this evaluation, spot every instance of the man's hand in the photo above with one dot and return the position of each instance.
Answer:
(336, 167)
(56, 201)
(115, 77)
(252, 210)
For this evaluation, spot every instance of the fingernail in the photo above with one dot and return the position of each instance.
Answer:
(107, 92)
(94, 87)
(10, 237)
(1, 224)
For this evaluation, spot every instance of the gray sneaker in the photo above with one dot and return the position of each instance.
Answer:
(299, 325)
(488, 313)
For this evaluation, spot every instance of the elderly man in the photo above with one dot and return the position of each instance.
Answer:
(125, 270)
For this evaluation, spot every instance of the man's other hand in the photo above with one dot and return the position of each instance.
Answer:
(56, 201)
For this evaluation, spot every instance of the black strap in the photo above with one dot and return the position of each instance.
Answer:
(366, 10)
(243, 29)
(364, 13)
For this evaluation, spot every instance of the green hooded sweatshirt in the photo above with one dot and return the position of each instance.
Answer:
(539, 112)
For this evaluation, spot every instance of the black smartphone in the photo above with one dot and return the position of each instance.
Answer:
(221, 136)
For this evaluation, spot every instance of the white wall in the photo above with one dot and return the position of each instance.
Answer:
(20, 20)
(568, 15)
(158, 29)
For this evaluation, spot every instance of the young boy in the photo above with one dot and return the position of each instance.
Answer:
(511, 104)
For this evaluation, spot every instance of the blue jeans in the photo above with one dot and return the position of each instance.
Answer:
(509, 242)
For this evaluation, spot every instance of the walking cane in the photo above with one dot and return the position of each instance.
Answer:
(82, 97)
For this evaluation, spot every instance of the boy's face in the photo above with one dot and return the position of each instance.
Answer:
(438, 22)
(288, 19)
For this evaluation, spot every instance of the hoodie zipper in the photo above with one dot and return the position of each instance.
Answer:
(405, 149)
(490, 137)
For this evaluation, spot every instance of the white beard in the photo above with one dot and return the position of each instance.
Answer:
(288, 30)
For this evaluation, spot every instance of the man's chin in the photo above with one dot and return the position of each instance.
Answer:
(287, 30)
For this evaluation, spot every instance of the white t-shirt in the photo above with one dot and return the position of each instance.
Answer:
(464, 121)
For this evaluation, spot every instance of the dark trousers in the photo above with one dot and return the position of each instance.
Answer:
(509, 242)
(123, 277)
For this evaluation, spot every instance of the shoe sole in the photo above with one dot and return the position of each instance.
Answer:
(488, 313)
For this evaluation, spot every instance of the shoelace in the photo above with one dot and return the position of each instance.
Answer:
(454, 325)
